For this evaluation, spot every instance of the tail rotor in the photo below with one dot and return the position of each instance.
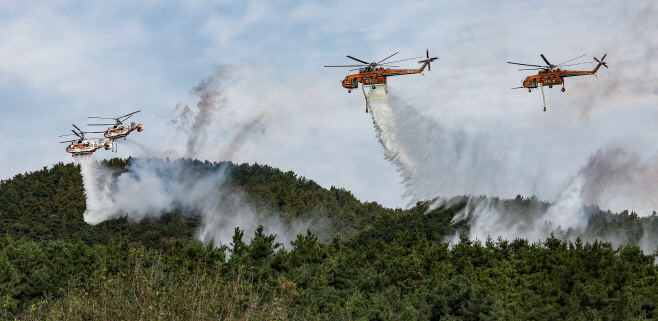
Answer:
(601, 62)
(428, 60)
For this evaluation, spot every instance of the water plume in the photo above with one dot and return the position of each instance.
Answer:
(432, 159)
(436, 161)
(97, 190)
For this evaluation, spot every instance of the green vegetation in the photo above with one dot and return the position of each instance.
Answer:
(361, 261)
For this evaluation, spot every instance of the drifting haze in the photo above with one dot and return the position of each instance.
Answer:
(153, 187)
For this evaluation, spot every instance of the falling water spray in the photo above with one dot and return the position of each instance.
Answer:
(97, 190)
(437, 162)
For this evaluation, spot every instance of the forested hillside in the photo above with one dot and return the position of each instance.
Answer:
(360, 261)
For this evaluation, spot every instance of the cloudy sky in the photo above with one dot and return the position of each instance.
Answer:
(63, 61)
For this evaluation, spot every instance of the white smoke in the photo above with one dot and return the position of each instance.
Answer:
(617, 177)
(153, 187)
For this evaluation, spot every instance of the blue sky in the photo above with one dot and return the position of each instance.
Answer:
(63, 61)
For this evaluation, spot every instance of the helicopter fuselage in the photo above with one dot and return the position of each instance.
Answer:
(370, 75)
(121, 130)
(546, 77)
(82, 147)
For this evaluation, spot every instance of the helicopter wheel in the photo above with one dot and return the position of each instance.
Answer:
(349, 91)
(550, 86)
(373, 87)
(529, 90)
(562, 89)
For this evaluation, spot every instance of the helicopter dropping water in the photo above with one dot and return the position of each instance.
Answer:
(375, 73)
(119, 129)
(82, 146)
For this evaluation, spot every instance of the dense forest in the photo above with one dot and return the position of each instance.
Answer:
(358, 261)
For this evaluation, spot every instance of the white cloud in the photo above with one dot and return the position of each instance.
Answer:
(60, 63)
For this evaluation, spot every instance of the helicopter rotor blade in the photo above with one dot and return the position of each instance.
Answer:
(76, 134)
(348, 66)
(601, 62)
(516, 63)
(388, 57)
(100, 124)
(530, 69)
(76, 127)
(390, 62)
(570, 60)
(580, 63)
(130, 115)
(542, 57)
(359, 60)
(101, 117)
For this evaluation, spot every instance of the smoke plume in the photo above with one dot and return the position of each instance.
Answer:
(211, 99)
(254, 125)
(213, 122)
(153, 187)
(632, 66)
(616, 178)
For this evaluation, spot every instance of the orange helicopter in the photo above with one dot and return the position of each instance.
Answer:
(375, 73)
(550, 74)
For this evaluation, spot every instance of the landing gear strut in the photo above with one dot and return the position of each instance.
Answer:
(366, 96)
(543, 97)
